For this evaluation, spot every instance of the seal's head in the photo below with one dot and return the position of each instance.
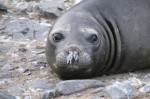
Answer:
(76, 46)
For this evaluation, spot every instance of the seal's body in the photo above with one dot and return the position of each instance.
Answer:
(98, 37)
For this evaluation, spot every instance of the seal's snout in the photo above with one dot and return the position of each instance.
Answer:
(73, 57)
(73, 49)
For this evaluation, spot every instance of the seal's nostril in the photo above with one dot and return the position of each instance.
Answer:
(73, 49)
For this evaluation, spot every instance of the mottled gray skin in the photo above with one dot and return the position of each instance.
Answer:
(123, 31)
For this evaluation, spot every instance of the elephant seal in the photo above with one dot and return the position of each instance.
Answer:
(98, 37)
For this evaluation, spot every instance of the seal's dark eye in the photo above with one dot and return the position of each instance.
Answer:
(93, 38)
(57, 37)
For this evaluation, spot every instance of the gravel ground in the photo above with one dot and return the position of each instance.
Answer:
(24, 73)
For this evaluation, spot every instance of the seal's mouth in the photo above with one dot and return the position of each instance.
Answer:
(73, 60)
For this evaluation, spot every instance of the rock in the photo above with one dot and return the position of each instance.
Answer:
(135, 82)
(79, 95)
(26, 97)
(146, 88)
(5, 75)
(26, 29)
(3, 48)
(2, 1)
(121, 90)
(72, 86)
(7, 67)
(51, 8)
(100, 89)
(24, 7)
(49, 94)
(2, 60)
(38, 61)
(6, 95)
(41, 84)
(3, 7)
(5, 82)
(32, 58)
(17, 89)
(40, 65)
(133, 74)
(22, 69)
(22, 49)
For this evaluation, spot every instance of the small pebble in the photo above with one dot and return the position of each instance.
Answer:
(100, 89)
(146, 88)
(5, 82)
(22, 69)
(49, 94)
(6, 95)
(22, 50)
(5, 75)
(17, 89)
(7, 67)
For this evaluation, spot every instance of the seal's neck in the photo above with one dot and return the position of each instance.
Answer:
(114, 47)
(117, 46)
